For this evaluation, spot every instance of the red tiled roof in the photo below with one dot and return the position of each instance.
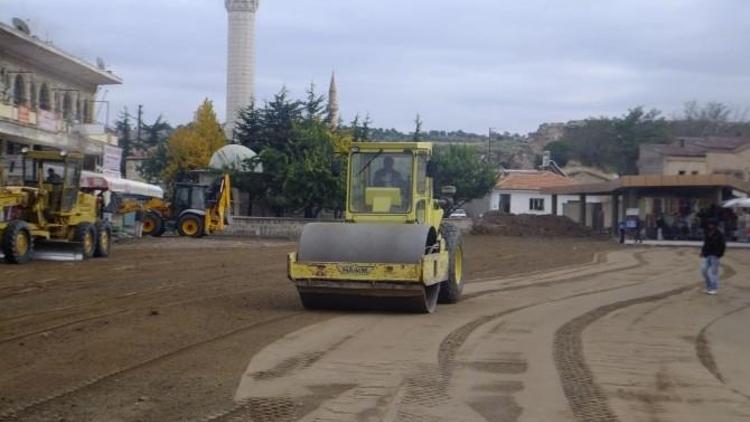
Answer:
(532, 180)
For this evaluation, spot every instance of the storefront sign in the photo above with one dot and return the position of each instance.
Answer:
(111, 161)
(48, 120)
(23, 114)
(632, 212)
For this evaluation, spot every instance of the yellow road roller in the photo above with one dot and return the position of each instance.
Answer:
(393, 251)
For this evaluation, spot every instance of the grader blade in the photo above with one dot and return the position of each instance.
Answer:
(58, 251)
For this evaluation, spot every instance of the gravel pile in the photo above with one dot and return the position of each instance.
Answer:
(526, 225)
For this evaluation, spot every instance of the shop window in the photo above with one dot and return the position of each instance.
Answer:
(536, 204)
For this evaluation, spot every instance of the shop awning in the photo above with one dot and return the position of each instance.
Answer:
(91, 180)
(655, 181)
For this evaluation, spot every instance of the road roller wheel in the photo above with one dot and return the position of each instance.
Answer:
(17, 243)
(451, 289)
(312, 301)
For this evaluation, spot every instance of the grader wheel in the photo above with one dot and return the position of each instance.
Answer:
(103, 240)
(17, 243)
(85, 234)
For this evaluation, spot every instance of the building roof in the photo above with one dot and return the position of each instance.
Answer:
(679, 181)
(574, 169)
(46, 55)
(698, 146)
(531, 180)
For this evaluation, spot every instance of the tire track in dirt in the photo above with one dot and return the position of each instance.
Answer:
(705, 355)
(154, 294)
(13, 413)
(574, 279)
(273, 409)
(585, 397)
(598, 259)
(429, 387)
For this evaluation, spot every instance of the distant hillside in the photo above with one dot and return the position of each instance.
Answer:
(508, 150)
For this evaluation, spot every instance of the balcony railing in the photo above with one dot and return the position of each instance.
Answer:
(52, 121)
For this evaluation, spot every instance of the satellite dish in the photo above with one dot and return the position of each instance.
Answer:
(22, 26)
(100, 63)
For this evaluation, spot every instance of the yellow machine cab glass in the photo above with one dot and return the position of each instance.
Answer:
(380, 182)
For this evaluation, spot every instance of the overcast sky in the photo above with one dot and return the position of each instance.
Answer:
(469, 65)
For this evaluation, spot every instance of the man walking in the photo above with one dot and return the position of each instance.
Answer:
(711, 252)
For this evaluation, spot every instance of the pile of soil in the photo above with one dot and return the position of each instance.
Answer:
(527, 225)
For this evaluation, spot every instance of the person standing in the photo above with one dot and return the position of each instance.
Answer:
(139, 224)
(711, 252)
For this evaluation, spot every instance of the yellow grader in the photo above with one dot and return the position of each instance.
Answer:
(393, 251)
(195, 210)
(49, 217)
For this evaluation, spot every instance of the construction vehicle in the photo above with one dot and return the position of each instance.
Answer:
(393, 251)
(49, 217)
(195, 210)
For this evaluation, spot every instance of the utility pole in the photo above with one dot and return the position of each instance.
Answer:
(489, 145)
(140, 121)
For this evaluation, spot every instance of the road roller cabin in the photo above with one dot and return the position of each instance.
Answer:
(394, 251)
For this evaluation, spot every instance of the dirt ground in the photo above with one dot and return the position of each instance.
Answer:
(163, 328)
(181, 329)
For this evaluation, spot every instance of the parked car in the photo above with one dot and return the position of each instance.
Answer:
(459, 213)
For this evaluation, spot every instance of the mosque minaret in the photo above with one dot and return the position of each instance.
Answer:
(240, 58)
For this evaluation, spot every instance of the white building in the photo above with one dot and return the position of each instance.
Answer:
(520, 192)
(48, 101)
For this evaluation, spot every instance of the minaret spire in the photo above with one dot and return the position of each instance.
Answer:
(333, 103)
(240, 58)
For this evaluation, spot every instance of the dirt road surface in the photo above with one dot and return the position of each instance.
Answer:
(178, 329)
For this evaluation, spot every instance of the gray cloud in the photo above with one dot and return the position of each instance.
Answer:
(461, 65)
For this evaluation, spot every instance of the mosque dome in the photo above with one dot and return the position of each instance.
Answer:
(232, 157)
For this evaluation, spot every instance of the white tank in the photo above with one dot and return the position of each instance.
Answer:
(232, 157)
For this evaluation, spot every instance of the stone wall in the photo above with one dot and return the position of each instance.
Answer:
(291, 228)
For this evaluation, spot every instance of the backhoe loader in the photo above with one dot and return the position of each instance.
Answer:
(195, 210)
(393, 251)
(49, 217)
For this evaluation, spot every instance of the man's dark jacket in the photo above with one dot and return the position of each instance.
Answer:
(713, 244)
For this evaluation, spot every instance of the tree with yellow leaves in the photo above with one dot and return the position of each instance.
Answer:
(190, 147)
